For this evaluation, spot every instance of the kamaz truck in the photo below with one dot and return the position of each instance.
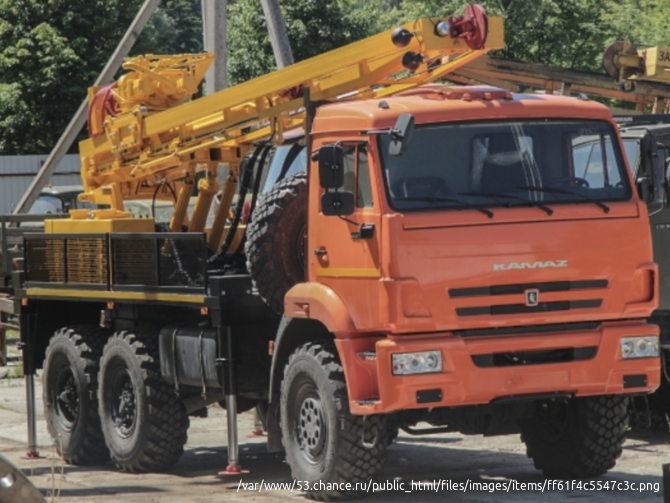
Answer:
(441, 258)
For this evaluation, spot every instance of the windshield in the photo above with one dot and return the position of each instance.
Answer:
(467, 165)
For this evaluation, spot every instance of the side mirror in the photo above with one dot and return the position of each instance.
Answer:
(337, 203)
(648, 156)
(331, 166)
(644, 189)
(401, 134)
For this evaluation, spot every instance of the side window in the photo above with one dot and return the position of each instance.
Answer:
(364, 193)
(357, 175)
(595, 162)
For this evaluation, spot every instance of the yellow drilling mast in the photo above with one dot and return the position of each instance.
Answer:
(145, 133)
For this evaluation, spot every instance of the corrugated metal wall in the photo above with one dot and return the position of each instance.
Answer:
(18, 171)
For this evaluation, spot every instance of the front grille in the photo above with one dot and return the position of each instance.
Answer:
(532, 293)
(534, 357)
(550, 286)
(543, 307)
(528, 329)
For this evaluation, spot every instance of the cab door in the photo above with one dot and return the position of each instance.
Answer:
(345, 249)
(659, 218)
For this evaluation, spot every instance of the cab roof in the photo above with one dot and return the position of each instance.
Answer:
(440, 103)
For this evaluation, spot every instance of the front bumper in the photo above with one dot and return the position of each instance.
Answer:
(374, 389)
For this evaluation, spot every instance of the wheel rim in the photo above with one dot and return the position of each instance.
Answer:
(65, 397)
(122, 401)
(311, 428)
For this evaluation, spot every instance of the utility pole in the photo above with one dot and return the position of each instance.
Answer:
(77, 122)
(214, 30)
(278, 36)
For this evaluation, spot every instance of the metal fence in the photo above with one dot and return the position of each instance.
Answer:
(17, 171)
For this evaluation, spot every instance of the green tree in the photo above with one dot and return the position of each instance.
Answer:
(643, 22)
(314, 27)
(568, 33)
(51, 52)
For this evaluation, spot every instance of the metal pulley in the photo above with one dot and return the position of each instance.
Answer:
(472, 26)
(622, 62)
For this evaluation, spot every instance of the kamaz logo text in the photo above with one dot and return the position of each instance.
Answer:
(530, 265)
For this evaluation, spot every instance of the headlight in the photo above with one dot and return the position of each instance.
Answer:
(639, 347)
(422, 362)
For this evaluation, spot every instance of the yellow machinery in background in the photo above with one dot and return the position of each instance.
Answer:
(626, 64)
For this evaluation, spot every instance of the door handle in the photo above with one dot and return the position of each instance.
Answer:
(320, 252)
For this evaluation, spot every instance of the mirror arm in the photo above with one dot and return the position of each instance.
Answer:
(365, 231)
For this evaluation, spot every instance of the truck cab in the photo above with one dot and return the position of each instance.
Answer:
(476, 276)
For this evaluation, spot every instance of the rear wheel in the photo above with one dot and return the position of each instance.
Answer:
(322, 439)
(581, 437)
(144, 422)
(70, 393)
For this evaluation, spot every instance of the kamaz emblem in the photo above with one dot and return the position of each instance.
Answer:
(530, 265)
(532, 297)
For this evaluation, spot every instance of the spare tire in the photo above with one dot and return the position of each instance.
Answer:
(275, 240)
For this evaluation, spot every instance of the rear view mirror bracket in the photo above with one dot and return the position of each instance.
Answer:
(401, 134)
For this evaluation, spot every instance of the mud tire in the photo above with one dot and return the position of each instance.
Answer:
(275, 244)
(144, 423)
(581, 437)
(314, 395)
(70, 394)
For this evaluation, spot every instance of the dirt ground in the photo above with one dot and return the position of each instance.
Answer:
(446, 458)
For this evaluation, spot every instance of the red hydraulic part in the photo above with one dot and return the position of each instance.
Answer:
(102, 104)
(472, 26)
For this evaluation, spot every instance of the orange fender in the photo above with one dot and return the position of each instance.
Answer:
(318, 302)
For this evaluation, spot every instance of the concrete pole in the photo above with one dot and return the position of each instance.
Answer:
(278, 36)
(77, 122)
(215, 30)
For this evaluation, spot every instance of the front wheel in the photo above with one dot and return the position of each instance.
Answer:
(576, 438)
(324, 442)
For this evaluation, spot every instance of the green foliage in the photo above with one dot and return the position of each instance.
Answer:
(643, 22)
(314, 27)
(52, 51)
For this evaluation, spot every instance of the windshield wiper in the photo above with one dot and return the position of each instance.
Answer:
(556, 190)
(497, 195)
(435, 200)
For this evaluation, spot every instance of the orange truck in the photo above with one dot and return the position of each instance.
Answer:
(425, 253)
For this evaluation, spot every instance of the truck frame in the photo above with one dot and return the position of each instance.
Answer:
(440, 260)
